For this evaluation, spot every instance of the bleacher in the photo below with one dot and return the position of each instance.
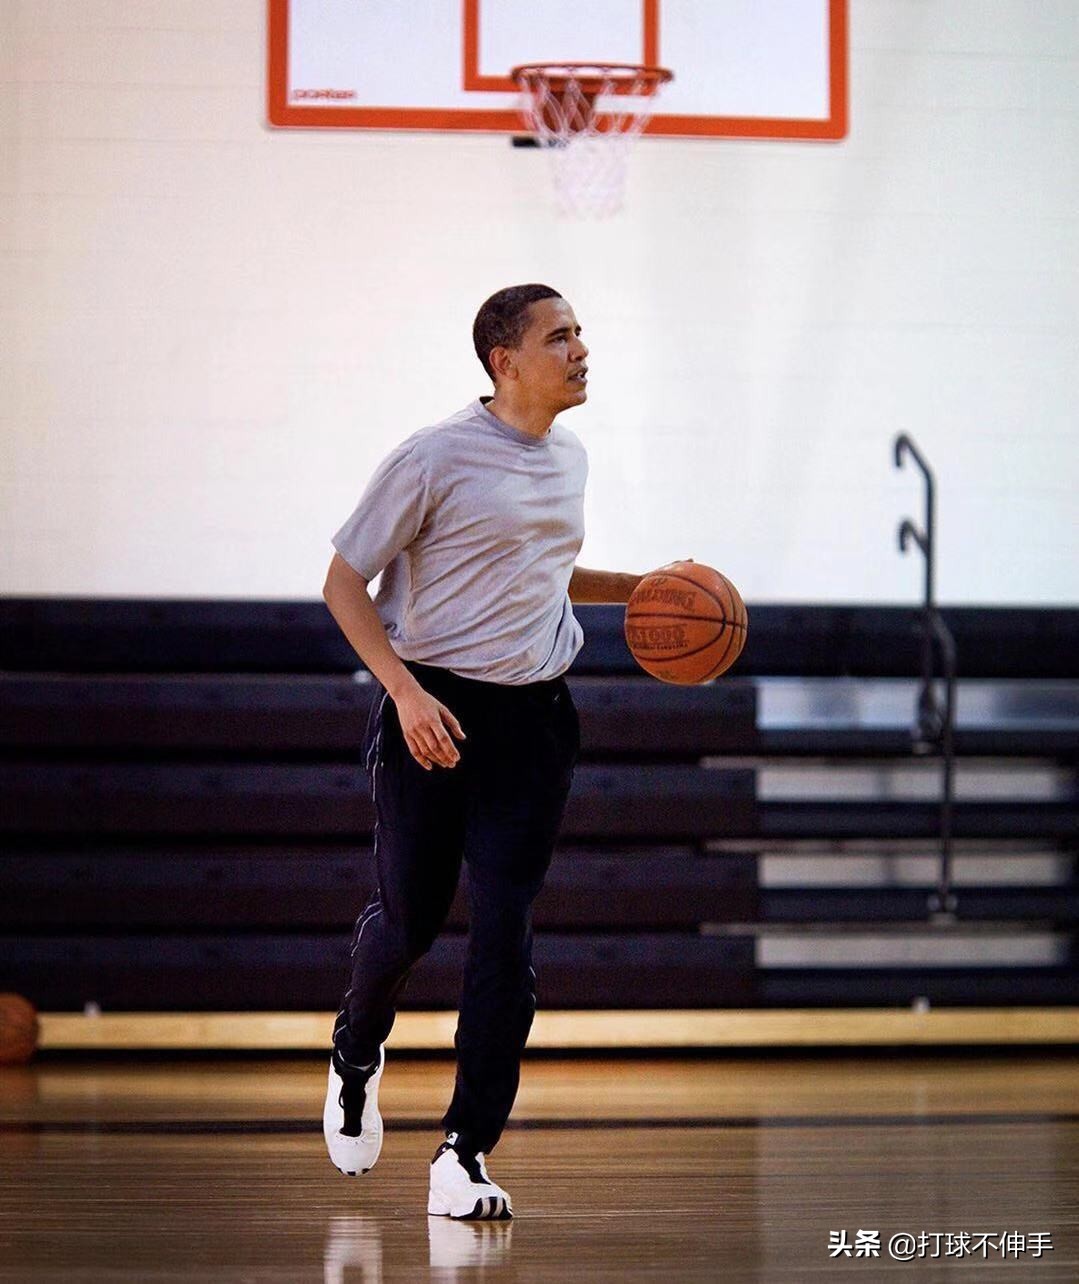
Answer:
(187, 824)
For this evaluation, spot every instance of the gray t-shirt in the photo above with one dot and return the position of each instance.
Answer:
(475, 526)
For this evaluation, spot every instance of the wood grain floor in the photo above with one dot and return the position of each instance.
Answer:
(732, 1168)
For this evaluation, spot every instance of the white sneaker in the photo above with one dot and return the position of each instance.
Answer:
(357, 1153)
(461, 1188)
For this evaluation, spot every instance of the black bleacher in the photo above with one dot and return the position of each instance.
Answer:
(187, 826)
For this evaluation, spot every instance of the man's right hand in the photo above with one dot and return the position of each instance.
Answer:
(424, 722)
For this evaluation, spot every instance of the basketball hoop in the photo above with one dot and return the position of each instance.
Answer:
(588, 115)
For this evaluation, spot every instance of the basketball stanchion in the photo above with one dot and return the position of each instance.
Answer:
(588, 116)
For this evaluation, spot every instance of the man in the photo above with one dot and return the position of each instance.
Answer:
(475, 524)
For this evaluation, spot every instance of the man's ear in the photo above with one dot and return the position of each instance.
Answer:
(503, 363)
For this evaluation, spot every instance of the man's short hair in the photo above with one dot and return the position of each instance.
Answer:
(502, 321)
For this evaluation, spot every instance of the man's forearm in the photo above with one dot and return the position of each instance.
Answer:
(601, 586)
(350, 605)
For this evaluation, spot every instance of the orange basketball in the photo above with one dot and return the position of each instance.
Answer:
(18, 1029)
(686, 623)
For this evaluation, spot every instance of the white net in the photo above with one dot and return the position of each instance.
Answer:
(588, 117)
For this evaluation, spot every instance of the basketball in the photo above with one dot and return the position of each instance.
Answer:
(685, 623)
(18, 1029)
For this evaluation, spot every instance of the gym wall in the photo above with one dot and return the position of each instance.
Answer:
(214, 330)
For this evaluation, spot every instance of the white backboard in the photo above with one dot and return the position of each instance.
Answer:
(742, 68)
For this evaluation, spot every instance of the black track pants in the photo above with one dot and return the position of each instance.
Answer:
(499, 809)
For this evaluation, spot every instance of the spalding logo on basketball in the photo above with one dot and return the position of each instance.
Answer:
(686, 623)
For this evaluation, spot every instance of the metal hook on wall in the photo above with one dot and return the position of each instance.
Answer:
(936, 720)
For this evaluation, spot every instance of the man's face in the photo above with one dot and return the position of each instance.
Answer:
(550, 362)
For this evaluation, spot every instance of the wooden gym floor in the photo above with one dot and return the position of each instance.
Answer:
(731, 1167)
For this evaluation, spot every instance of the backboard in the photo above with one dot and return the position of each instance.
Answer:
(742, 68)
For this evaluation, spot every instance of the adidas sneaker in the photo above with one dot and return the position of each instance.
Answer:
(461, 1188)
(351, 1123)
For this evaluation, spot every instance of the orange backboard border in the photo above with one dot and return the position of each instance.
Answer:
(282, 114)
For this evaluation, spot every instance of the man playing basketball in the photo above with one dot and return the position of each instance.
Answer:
(474, 523)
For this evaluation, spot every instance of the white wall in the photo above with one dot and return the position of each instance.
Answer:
(212, 331)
